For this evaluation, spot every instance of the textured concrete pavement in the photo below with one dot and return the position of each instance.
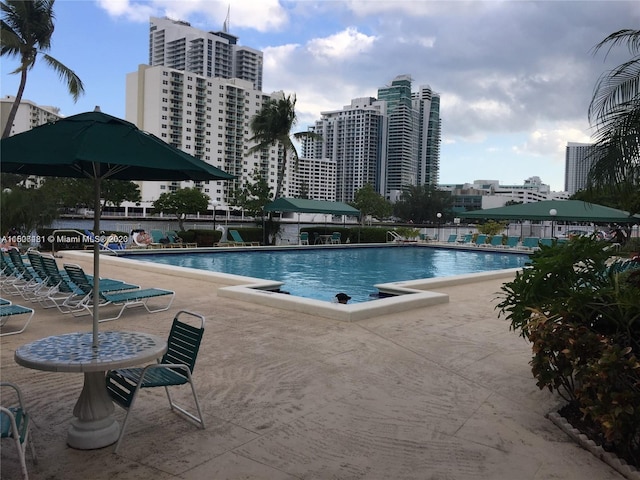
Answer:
(443, 392)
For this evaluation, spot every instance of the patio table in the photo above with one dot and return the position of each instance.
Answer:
(324, 239)
(94, 425)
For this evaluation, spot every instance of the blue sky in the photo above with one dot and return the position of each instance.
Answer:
(515, 77)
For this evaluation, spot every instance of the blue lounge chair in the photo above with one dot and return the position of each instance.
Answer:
(453, 238)
(481, 240)
(237, 238)
(466, 239)
(531, 243)
(9, 310)
(548, 242)
(512, 242)
(123, 299)
(496, 241)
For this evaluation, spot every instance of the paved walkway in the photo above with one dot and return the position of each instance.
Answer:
(443, 392)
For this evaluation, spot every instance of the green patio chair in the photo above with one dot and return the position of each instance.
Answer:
(304, 238)
(15, 424)
(174, 369)
(336, 238)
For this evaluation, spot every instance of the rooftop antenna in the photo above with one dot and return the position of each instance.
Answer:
(225, 25)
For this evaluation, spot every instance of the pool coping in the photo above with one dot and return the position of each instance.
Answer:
(406, 294)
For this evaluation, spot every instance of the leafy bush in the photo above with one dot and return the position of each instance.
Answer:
(581, 312)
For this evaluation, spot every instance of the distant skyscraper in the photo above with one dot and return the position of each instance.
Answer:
(355, 139)
(178, 45)
(403, 136)
(427, 104)
(389, 142)
(578, 161)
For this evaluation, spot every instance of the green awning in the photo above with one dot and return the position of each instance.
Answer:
(303, 205)
(566, 211)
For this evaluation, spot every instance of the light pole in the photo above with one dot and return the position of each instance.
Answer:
(553, 212)
(439, 215)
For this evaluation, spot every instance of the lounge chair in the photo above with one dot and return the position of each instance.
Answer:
(176, 241)
(110, 244)
(123, 298)
(530, 243)
(512, 242)
(174, 369)
(158, 238)
(466, 239)
(496, 241)
(481, 240)
(15, 423)
(237, 238)
(453, 238)
(64, 294)
(9, 310)
(547, 242)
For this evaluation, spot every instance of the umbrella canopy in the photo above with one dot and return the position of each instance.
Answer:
(303, 205)
(99, 146)
(566, 211)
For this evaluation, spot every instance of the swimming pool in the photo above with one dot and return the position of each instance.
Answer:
(321, 273)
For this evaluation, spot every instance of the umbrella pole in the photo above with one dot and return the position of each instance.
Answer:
(96, 260)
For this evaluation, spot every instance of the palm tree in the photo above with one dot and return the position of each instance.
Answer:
(272, 126)
(25, 31)
(615, 113)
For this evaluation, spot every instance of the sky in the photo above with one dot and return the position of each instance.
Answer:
(515, 77)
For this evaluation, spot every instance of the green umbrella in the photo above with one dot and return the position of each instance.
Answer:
(98, 146)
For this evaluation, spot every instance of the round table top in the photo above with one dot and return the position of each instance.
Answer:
(73, 352)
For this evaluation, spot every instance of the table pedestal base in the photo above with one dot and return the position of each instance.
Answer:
(94, 425)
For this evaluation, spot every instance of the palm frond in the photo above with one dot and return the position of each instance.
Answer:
(74, 84)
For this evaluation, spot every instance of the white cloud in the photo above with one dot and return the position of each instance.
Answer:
(263, 16)
(342, 45)
(552, 141)
(135, 12)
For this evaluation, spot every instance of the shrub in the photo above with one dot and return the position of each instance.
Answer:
(581, 312)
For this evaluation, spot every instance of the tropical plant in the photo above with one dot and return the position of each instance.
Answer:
(182, 202)
(614, 111)
(422, 203)
(25, 209)
(370, 202)
(492, 227)
(79, 192)
(580, 311)
(271, 126)
(26, 29)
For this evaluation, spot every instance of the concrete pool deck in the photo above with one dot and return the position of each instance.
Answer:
(440, 392)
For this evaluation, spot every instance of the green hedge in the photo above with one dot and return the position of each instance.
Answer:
(350, 234)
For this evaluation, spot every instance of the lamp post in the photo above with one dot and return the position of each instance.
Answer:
(553, 212)
(439, 215)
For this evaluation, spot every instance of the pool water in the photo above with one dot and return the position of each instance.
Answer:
(321, 273)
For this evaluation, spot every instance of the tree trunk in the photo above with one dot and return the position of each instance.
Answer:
(16, 104)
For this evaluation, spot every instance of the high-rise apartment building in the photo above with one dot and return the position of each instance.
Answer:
(178, 45)
(199, 93)
(206, 117)
(389, 142)
(579, 158)
(353, 138)
(29, 114)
